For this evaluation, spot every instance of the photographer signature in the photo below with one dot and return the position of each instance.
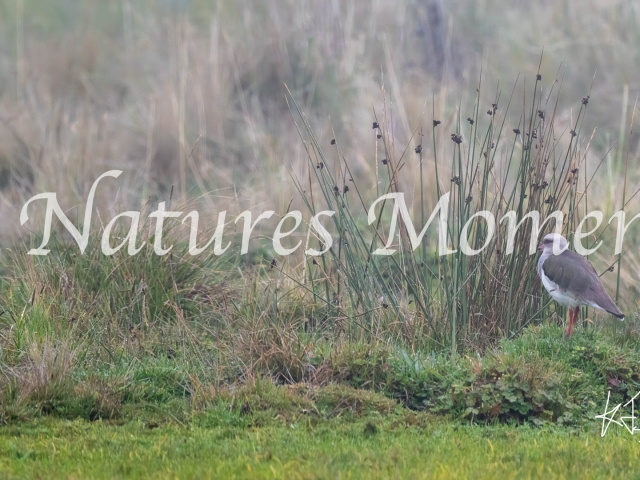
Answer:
(609, 416)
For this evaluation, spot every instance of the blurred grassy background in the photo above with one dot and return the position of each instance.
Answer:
(93, 85)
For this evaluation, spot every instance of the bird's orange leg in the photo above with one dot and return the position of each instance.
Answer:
(573, 313)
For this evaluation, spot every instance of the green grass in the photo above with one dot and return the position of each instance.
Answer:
(391, 447)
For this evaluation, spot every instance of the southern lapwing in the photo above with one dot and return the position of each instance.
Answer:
(571, 280)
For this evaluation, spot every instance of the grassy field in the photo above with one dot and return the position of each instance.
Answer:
(342, 365)
(390, 447)
(525, 410)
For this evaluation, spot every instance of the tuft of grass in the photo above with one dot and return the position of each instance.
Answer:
(418, 296)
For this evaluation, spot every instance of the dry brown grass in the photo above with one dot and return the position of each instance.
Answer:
(138, 87)
(43, 374)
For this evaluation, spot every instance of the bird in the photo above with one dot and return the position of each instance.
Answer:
(571, 280)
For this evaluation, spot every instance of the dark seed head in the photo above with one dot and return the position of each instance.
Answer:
(345, 189)
(384, 161)
(379, 136)
(419, 149)
(375, 125)
(610, 268)
(274, 263)
(333, 141)
(541, 114)
(470, 120)
(538, 77)
(336, 190)
(320, 165)
(436, 123)
(585, 100)
(516, 131)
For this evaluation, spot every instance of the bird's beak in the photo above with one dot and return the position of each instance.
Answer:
(541, 247)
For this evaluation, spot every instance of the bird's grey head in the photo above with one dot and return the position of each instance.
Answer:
(554, 243)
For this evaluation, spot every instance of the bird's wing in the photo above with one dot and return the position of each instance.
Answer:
(573, 273)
